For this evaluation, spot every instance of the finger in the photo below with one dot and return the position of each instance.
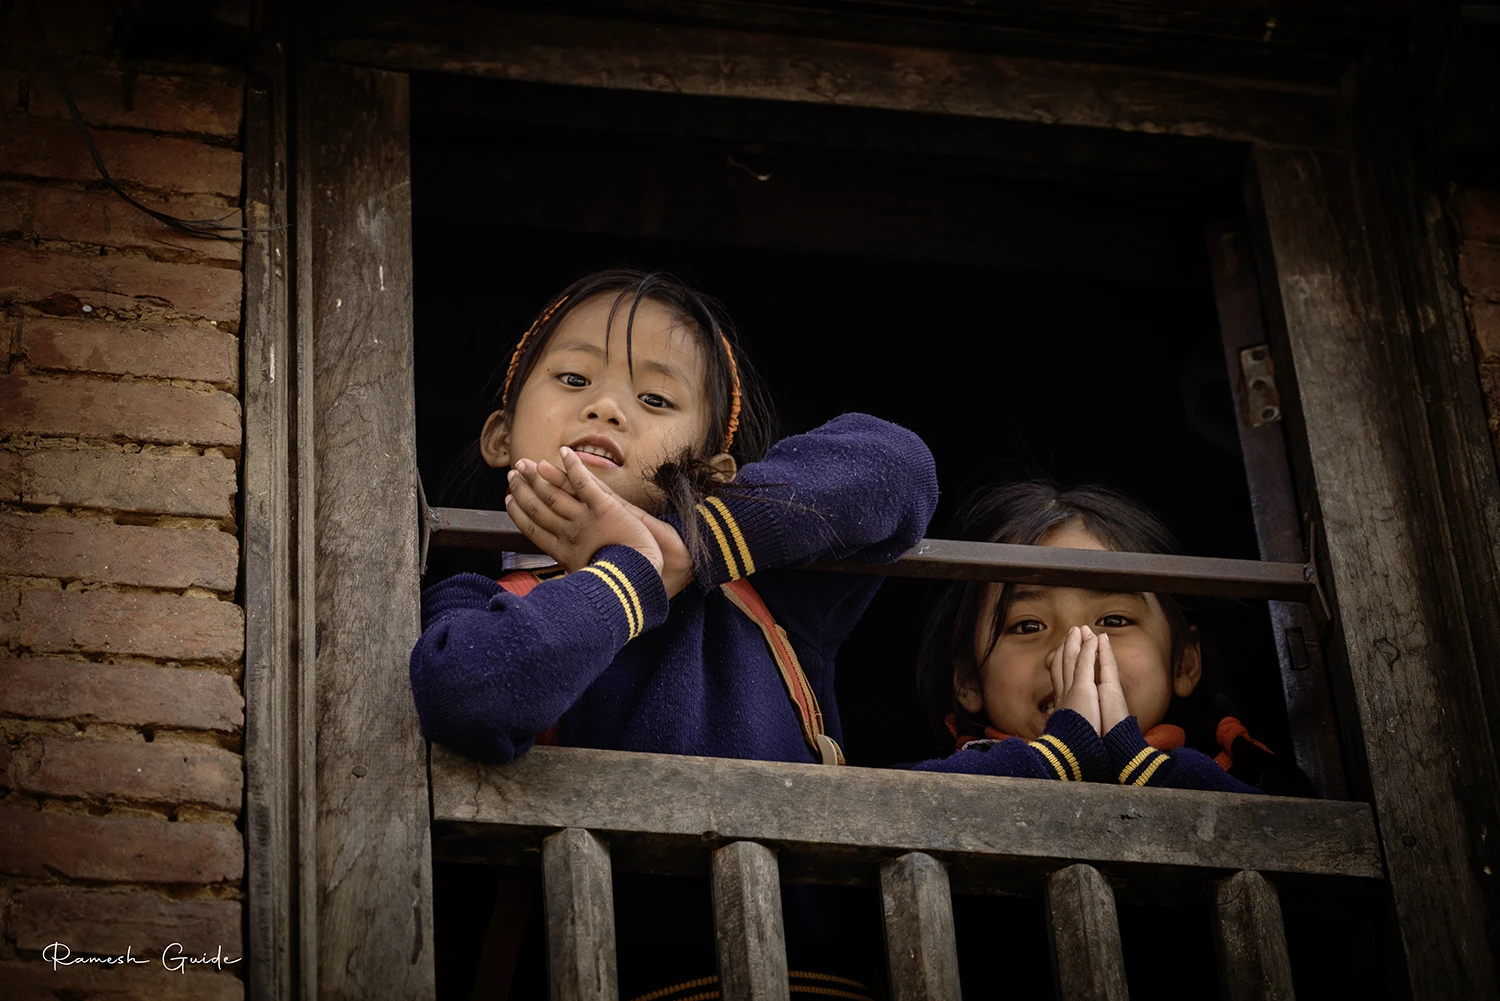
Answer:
(553, 475)
(1088, 656)
(586, 486)
(559, 500)
(543, 539)
(1109, 668)
(1070, 656)
(523, 497)
(1054, 668)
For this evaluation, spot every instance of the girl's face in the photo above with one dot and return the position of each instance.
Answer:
(1015, 687)
(581, 393)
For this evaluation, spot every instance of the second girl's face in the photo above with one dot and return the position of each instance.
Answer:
(583, 394)
(1015, 684)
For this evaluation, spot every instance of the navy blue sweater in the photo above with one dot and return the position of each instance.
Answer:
(604, 656)
(1071, 751)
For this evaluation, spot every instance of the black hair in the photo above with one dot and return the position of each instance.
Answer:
(686, 478)
(1022, 514)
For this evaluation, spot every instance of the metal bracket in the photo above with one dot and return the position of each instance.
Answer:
(1262, 400)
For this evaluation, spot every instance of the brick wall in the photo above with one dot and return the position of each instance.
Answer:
(1476, 215)
(121, 716)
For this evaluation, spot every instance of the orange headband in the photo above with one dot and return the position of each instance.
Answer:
(734, 372)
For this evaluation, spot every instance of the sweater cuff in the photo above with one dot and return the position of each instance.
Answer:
(1072, 748)
(1132, 761)
(739, 538)
(626, 588)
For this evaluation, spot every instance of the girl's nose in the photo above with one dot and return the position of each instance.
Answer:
(605, 408)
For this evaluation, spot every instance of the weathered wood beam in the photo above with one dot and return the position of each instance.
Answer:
(598, 52)
(921, 947)
(373, 889)
(1410, 683)
(1087, 961)
(748, 924)
(667, 812)
(578, 896)
(1250, 940)
(946, 559)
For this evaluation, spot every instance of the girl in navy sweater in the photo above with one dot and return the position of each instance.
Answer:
(1075, 684)
(637, 463)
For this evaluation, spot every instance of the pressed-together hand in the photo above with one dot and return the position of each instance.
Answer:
(571, 515)
(1086, 678)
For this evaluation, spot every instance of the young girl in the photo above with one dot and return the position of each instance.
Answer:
(1076, 684)
(637, 464)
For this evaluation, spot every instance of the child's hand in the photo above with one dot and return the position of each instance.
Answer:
(573, 522)
(1112, 707)
(1074, 683)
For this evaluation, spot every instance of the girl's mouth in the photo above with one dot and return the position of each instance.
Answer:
(599, 451)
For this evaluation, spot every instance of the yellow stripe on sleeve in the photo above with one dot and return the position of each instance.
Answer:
(1067, 755)
(630, 621)
(635, 599)
(1151, 769)
(1046, 752)
(1135, 762)
(713, 524)
(734, 530)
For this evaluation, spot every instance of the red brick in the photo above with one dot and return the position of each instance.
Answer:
(73, 549)
(120, 282)
(150, 625)
(121, 849)
(1486, 319)
(1479, 270)
(106, 922)
(10, 616)
(106, 220)
(157, 103)
(157, 772)
(10, 476)
(177, 351)
(118, 411)
(15, 210)
(149, 697)
(35, 980)
(56, 150)
(193, 485)
(1478, 211)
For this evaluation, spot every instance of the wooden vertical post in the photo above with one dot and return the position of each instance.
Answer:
(374, 869)
(1250, 940)
(1085, 933)
(1411, 675)
(578, 894)
(748, 924)
(920, 946)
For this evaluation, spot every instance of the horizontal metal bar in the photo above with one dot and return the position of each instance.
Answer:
(667, 813)
(945, 559)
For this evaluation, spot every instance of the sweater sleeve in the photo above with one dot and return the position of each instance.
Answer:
(1069, 750)
(492, 670)
(857, 488)
(1132, 761)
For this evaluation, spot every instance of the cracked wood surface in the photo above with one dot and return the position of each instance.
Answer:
(374, 870)
(667, 812)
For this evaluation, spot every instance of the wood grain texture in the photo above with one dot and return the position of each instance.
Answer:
(271, 748)
(748, 925)
(579, 899)
(1250, 940)
(1087, 961)
(921, 948)
(816, 816)
(1278, 519)
(1409, 676)
(596, 52)
(374, 870)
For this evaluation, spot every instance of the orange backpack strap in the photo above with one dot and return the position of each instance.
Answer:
(744, 597)
(521, 583)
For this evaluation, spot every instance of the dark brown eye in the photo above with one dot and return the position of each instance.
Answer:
(1027, 626)
(1114, 622)
(572, 379)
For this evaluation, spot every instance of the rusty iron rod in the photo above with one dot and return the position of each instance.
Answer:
(946, 559)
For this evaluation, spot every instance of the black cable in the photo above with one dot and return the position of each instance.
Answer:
(212, 229)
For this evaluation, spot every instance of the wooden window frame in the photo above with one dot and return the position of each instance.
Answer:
(1384, 415)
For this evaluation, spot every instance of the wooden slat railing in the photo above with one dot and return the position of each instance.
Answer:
(493, 531)
(750, 824)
